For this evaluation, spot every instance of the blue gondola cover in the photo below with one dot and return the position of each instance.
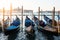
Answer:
(29, 22)
(47, 19)
(12, 27)
(16, 22)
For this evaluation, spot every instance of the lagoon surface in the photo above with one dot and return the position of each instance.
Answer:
(22, 36)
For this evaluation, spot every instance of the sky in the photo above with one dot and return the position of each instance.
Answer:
(31, 4)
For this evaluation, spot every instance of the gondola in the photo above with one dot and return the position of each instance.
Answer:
(49, 21)
(29, 24)
(46, 29)
(5, 23)
(13, 28)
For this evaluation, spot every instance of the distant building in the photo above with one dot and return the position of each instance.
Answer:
(17, 10)
(28, 11)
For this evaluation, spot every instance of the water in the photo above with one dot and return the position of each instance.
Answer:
(22, 36)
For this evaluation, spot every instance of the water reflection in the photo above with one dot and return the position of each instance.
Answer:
(49, 37)
(29, 37)
(38, 36)
(12, 36)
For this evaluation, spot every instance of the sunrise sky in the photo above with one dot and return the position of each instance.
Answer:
(31, 4)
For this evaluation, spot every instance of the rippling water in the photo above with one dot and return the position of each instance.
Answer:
(22, 36)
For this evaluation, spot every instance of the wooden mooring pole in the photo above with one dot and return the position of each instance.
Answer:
(39, 13)
(3, 20)
(10, 13)
(32, 16)
(53, 16)
(58, 23)
(22, 17)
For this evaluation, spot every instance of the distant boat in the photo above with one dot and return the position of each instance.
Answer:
(45, 28)
(29, 24)
(14, 27)
(49, 21)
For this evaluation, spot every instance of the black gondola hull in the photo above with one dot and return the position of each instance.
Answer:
(13, 31)
(48, 32)
(30, 34)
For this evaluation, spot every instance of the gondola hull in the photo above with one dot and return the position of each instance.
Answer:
(10, 31)
(0, 29)
(30, 31)
(48, 32)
